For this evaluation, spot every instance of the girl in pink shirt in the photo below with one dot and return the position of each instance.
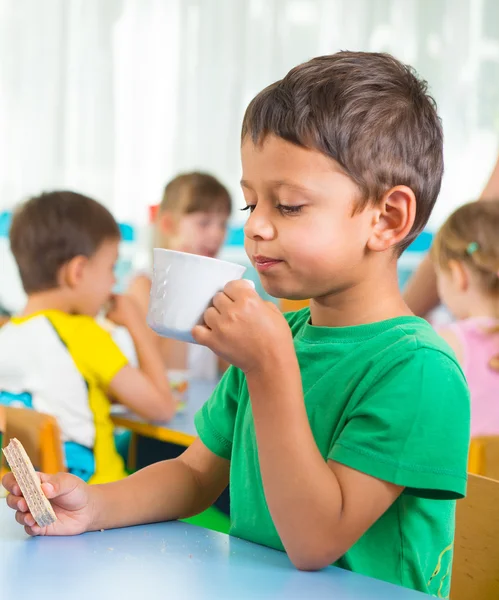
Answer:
(466, 257)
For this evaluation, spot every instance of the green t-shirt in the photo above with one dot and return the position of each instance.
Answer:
(387, 399)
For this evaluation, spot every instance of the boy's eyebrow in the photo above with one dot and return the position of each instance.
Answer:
(280, 183)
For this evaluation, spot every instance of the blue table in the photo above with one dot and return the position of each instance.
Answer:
(165, 561)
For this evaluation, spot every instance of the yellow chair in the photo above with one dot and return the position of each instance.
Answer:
(483, 457)
(38, 433)
(475, 572)
(292, 305)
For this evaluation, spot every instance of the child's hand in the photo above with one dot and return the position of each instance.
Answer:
(243, 329)
(123, 311)
(70, 498)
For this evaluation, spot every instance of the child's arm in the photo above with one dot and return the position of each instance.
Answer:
(145, 390)
(319, 509)
(164, 491)
(140, 289)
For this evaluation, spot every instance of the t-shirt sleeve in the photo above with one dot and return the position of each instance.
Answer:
(411, 426)
(100, 352)
(215, 421)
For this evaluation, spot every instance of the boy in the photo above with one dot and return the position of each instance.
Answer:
(54, 357)
(344, 426)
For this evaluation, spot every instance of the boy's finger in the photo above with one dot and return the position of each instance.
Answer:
(32, 531)
(10, 484)
(49, 490)
(17, 503)
(200, 333)
(58, 484)
(25, 518)
(221, 301)
(211, 317)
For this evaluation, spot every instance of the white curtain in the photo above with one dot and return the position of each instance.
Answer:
(113, 97)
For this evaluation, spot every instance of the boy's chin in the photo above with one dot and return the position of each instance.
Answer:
(283, 292)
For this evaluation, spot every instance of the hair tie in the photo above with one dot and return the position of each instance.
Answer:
(472, 248)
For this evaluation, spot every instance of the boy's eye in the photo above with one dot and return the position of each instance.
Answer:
(289, 210)
(283, 208)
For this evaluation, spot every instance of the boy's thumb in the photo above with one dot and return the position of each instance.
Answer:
(53, 485)
(49, 490)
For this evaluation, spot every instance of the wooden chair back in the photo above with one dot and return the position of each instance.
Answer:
(38, 433)
(292, 305)
(475, 572)
(484, 456)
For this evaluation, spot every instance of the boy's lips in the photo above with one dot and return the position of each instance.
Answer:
(264, 263)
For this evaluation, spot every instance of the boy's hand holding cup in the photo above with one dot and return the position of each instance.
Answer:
(203, 300)
(243, 329)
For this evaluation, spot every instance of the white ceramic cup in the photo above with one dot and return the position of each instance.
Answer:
(183, 286)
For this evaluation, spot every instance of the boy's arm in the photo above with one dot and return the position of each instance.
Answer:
(165, 491)
(145, 390)
(319, 509)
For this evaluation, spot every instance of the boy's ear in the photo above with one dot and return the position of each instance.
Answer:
(71, 273)
(394, 218)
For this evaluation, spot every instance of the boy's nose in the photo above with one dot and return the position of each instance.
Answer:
(259, 226)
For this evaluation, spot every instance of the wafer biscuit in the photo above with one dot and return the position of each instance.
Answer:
(29, 482)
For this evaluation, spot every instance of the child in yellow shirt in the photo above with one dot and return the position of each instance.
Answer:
(54, 357)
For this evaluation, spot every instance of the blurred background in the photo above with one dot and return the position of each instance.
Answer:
(112, 98)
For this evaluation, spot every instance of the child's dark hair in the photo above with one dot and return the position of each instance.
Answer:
(195, 192)
(49, 230)
(368, 112)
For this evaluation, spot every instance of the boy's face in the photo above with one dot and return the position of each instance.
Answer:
(96, 279)
(302, 234)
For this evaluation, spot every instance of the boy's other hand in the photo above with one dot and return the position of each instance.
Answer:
(123, 311)
(70, 498)
(243, 329)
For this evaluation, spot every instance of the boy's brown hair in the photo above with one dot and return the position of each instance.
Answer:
(49, 230)
(368, 112)
(195, 192)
